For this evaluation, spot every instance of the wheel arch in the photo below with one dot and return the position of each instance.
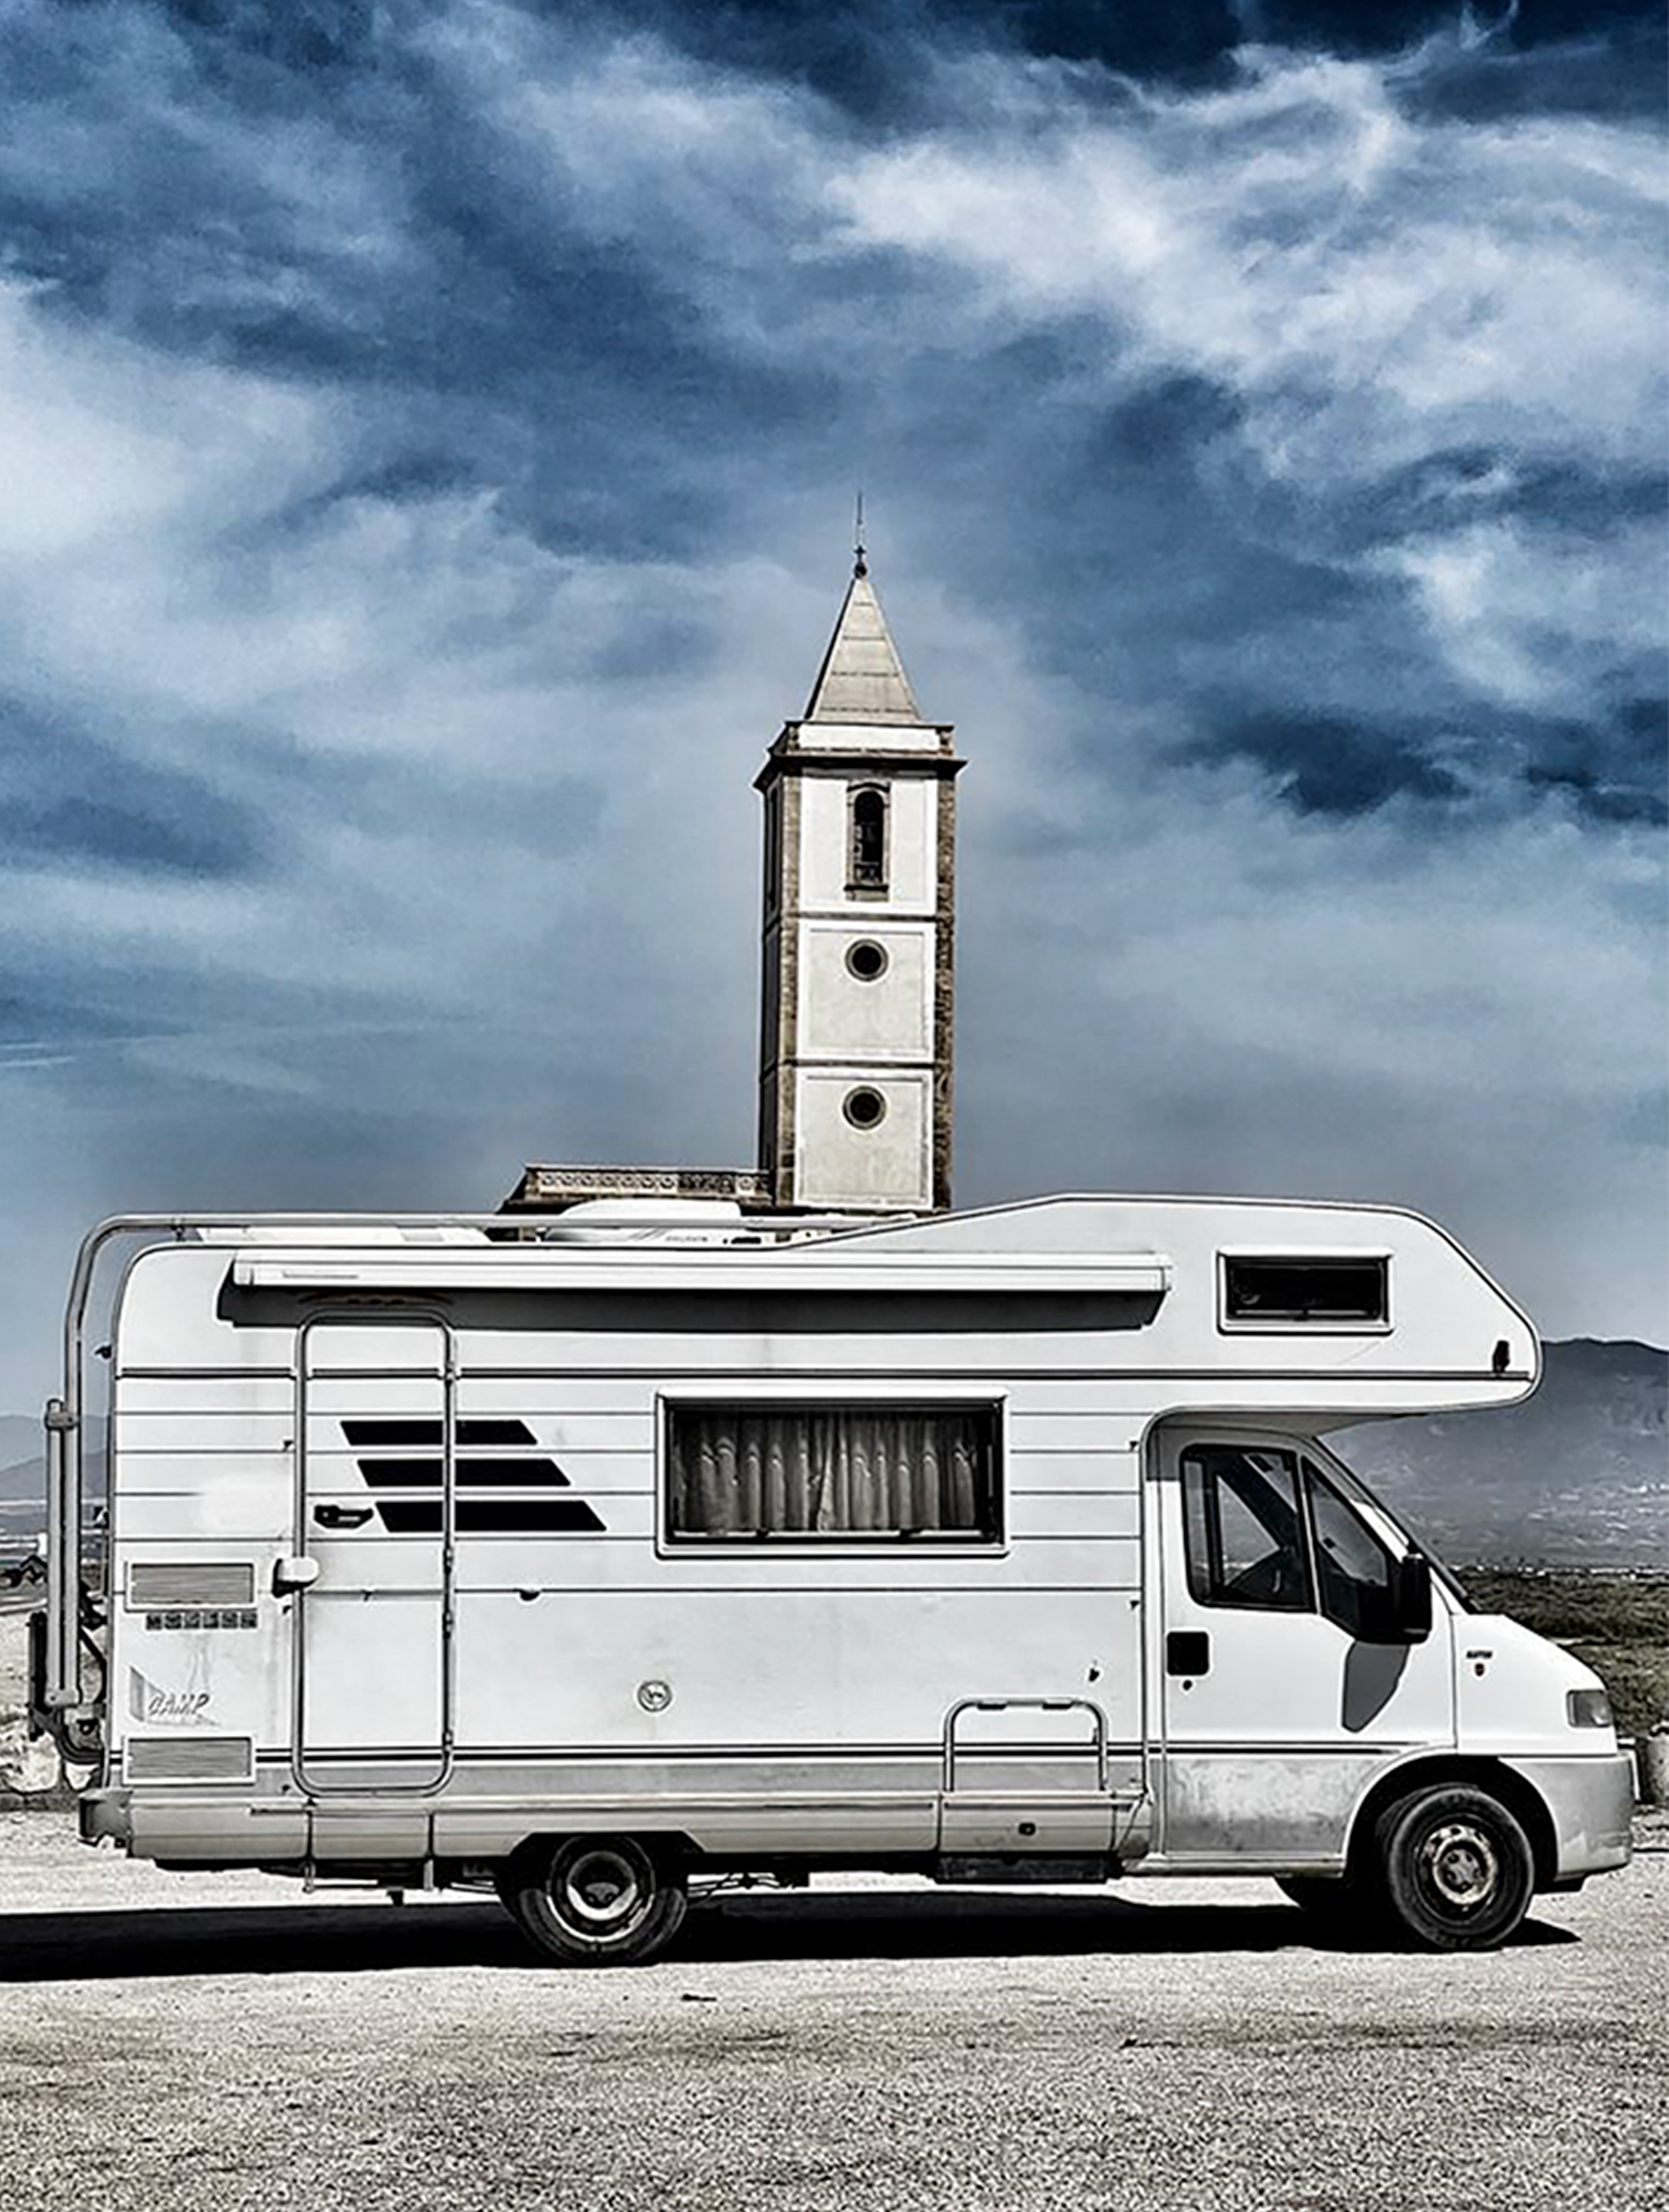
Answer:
(1521, 1799)
(672, 1849)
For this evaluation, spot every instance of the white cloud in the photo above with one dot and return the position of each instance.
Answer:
(1375, 286)
(103, 440)
(1538, 621)
(628, 140)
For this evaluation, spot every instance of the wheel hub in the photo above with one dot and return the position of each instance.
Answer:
(1460, 1865)
(603, 1890)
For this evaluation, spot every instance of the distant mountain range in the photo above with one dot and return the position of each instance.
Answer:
(23, 1482)
(1577, 1477)
(20, 1435)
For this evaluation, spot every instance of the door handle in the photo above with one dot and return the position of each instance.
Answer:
(342, 1516)
(1187, 1651)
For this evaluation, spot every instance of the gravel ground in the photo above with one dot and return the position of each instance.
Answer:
(198, 2041)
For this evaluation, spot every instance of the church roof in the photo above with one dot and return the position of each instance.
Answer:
(862, 678)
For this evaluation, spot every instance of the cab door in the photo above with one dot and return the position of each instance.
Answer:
(1284, 1679)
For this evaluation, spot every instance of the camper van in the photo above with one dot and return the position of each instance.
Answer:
(610, 1560)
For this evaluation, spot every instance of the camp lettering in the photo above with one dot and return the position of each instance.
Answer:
(174, 1705)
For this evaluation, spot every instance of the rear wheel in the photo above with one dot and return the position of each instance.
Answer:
(594, 1901)
(1456, 1869)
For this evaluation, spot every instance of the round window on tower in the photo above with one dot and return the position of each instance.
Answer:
(864, 1109)
(867, 960)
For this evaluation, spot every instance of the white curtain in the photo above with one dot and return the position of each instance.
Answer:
(832, 1470)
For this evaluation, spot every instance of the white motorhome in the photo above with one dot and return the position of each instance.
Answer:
(997, 1546)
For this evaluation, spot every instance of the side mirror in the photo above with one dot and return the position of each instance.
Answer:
(1411, 1595)
(291, 1575)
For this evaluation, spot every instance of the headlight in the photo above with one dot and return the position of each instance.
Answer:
(1587, 1709)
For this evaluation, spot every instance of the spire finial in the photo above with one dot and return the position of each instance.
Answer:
(859, 565)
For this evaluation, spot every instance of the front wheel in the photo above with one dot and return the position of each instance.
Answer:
(1456, 1869)
(594, 1901)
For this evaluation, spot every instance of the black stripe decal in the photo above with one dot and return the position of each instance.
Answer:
(491, 1516)
(390, 1434)
(391, 1469)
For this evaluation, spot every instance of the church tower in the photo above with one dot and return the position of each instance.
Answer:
(857, 1012)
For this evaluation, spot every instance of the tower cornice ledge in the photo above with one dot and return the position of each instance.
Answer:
(783, 760)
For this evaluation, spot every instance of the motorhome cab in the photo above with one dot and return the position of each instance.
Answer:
(998, 1546)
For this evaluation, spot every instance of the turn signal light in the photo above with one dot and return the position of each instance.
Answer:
(1587, 1709)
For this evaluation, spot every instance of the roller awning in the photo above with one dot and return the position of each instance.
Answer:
(769, 1274)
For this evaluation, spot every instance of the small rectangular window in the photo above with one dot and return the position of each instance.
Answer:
(1287, 1292)
(748, 1474)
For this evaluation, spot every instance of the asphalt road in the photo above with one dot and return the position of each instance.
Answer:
(193, 2042)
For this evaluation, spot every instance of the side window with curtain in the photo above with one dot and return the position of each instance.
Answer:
(746, 1473)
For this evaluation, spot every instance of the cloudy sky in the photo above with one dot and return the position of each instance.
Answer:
(428, 442)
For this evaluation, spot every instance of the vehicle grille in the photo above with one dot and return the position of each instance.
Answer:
(167, 1583)
(190, 1759)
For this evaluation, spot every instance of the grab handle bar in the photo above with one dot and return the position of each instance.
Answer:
(1098, 1719)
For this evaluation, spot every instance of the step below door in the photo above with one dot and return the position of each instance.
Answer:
(1026, 1777)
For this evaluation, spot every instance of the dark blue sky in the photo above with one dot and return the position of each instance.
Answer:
(428, 441)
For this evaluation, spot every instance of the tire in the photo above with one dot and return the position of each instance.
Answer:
(1456, 1869)
(594, 1901)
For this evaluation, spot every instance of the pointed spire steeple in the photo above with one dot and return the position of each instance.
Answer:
(862, 678)
(857, 1021)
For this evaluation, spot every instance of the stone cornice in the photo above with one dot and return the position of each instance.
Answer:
(794, 763)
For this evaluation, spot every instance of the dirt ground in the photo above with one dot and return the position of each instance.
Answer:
(202, 2042)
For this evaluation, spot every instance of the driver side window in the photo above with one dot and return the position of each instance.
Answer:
(1352, 1566)
(1243, 1520)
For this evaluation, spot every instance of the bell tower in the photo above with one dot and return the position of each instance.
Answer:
(857, 1009)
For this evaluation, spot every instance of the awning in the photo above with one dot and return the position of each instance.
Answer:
(791, 1274)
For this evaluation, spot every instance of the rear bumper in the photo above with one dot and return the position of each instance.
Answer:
(1591, 1801)
(105, 1816)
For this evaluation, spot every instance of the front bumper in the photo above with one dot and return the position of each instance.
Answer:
(1591, 1801)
